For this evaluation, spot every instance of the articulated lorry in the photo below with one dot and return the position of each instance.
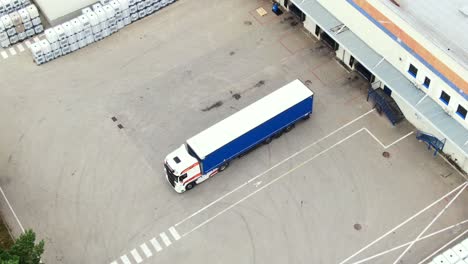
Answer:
(210, 151)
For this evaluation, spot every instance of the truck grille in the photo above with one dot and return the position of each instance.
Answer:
(170, 176)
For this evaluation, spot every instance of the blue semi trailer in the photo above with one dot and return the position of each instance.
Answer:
(210, 151)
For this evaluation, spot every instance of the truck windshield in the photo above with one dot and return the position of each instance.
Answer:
(170, 174)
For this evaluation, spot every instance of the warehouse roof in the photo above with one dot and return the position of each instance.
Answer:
(442, 22)
(57, 11)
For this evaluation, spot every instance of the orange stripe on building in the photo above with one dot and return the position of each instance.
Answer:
(414, 45)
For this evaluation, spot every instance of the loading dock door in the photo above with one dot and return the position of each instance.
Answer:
(329, 40)
(296, 11)
(363, 71)
(387, 90)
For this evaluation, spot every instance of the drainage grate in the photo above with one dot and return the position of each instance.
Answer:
(357, 227)
(385, 154)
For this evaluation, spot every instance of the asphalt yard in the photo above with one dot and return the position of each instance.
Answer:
(84, 138)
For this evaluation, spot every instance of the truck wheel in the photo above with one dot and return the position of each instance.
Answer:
(277, 135)
(224, 166)
(190, 186)
(268, 140)
(289, 128)
(306, 117)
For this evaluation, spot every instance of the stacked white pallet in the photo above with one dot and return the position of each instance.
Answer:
(71, 37)
(53, 39)
(86, 23)
(19, 25)
(79, 33)
(8, 6)
(37, 53)
(62, 40)
(101, 20)
(42, 52)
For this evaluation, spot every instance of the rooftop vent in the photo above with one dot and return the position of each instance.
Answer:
(464, 10)
(177, 160)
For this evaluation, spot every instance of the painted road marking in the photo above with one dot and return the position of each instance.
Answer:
(4, 54)
(276, 165)
(125, 259)
(293, 169)
(28, 43)
(156, 244)
(114, 262)
(441, 212)
(174, 233)
(36, 39)
(273, 181)
(422, 238)
(165, 239)
(146, 250)
(20, 47)
(136, 256)
(403, 223)
(12, 51)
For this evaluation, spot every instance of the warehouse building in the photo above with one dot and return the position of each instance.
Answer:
(414, 52)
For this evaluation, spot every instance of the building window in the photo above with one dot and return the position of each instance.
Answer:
(317, 30)
(413, 70)
(427, 82)
(461, 111)
(351, 62)
(444, 97)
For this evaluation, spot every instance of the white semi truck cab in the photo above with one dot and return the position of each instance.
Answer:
(181, 168)
(210, 151)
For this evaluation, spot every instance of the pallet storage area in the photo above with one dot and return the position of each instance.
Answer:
(95, 23)
(18, 25)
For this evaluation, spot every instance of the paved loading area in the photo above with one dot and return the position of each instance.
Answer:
(83, 139)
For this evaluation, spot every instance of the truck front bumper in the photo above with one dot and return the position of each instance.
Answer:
(177, 186)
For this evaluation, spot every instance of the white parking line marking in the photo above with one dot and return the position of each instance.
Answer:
(114, 262)
(20, 47)
(165, 239)
(11, 209)
(403, 223)
(136, 256)
(420, 239)
(273, 181)
(388, 146)
(288, 172)
(28, 43)
(12, 51)
(125, 259)
(4, 54)
(174, 233)
(276, 165)
(156, 244)
(146, 250)
(441, 212)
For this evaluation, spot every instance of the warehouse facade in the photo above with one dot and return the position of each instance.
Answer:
(411, 50)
